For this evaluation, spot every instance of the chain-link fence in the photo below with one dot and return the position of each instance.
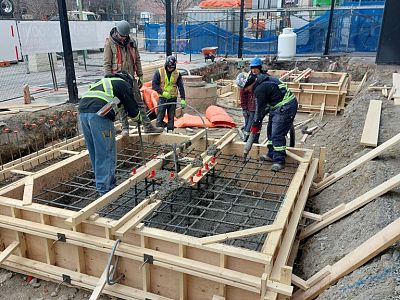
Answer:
(354, 29)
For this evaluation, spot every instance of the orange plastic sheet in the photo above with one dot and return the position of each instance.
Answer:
(219, 117)
(219, 3)
(192, 121)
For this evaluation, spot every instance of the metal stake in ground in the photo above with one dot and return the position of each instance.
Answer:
(19, 146)
(7, 130)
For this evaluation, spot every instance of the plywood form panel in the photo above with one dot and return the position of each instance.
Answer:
(201, 289)
(164, 282)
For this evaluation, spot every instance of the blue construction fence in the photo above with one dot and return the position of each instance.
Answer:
(355, 30)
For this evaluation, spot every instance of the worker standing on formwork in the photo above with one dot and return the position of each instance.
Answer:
(247, 97)
(166, 82)
(97, 110)
(273, 97)
(121, 54)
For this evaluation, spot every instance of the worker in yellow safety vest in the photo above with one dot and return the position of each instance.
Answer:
(166, 82)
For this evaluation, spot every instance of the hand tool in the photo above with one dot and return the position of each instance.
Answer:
(141, 141)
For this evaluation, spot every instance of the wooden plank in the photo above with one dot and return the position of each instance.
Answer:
(370, 133)
(321, 164)
(273, 239)
(28, 191)
(239, 234)
(46, 272)
(295, 156)
(319, 275)
(285, 248)
(21, 172)
(333, 211)
(100, 284)
(357, 163)
(312, 216)
(8, 251)
(172, 262)
(356, 258)
(365, 77)
(286, 278)
(396, 85)
(215, 297)
(351, 206)
(48, 246)
(137, 218)
(299, 282)
(224, 95)
(141, 174)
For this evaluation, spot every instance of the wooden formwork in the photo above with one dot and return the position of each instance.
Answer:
(58, 244)
(317, 91)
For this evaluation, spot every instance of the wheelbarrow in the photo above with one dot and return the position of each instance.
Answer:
(209, 53)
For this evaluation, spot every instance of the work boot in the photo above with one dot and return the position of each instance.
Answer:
(149, 128)
(276, 167)
(265, 157)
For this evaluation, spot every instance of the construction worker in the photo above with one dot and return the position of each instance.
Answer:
(248, 104)
(166, 82)
(256, 66)
(273, 97)
(121, 54)
(99, 131)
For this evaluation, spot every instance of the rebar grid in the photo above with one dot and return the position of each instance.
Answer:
(236, 195)
(80, 190)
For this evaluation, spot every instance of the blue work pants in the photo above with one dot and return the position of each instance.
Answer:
(279, 123)
(99, 136)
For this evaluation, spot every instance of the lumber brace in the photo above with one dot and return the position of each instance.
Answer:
(172, 262)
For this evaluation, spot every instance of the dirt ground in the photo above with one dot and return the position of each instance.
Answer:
(379, 278)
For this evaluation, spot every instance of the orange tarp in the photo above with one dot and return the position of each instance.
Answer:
(215, 117)
(192, 121)
(218, 117)
(224, 3)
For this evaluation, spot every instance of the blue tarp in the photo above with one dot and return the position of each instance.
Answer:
(354, 30)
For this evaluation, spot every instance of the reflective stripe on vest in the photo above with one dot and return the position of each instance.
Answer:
(108, 92)
(288, 95)
(169, 85)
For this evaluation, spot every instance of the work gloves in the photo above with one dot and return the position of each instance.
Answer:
(138, 118)
(256, 127)
(183, 103)
(140, 82)
(166, 95)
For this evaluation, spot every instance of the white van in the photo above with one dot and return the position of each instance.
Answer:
(87, 16)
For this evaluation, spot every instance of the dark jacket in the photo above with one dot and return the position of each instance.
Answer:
(247, 100)
(267, 94)
(122, 91)
(156, 82)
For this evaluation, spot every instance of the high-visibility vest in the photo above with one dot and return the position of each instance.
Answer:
(287, 94)
(106, 95)
(169, 85)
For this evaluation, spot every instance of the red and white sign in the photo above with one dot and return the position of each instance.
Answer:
(9, 46)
